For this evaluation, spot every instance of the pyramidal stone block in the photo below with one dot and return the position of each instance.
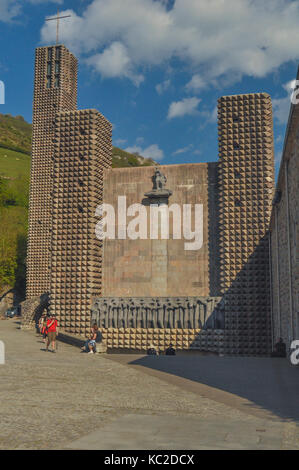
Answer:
(70, 149)
(246, 184)
(55, 89)
(77, 191)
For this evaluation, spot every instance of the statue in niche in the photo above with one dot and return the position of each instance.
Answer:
(159, 194)
(159, 180)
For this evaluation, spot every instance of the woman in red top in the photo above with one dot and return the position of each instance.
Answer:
(52, 329)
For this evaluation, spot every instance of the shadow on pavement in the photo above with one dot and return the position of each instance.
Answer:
(270, 384)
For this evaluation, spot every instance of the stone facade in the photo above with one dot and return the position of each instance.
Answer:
(141, 339)
(246, 182)
(284, 233)
(150, 290)
(32, 309)
(136, 323)
(163, 268)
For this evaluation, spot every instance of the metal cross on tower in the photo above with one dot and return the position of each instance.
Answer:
(58, 18)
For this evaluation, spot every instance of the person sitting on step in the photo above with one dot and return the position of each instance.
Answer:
(280, 349)
(90, 344)
(170, 351)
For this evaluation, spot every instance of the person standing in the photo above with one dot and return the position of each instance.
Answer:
(40, 324)
(52, 328)
(43, 327)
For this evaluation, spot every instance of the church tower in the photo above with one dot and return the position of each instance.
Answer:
(70, 149)
(55, 90)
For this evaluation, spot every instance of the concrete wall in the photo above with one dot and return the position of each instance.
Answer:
(162, 267)
(285, 239)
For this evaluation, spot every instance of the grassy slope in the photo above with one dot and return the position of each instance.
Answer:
(122, 159)
(15, 134)
(14, 188)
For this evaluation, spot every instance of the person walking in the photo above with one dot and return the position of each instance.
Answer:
(40, 324)
(43, 326)
(52, 329)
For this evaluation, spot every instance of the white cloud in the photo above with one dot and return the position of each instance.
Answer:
(210, 116)
(196, 83)
(183, 150)
(215, 38)
(281, 109)
(114, 62)
(162, 87)
(121, 141)
(9, 9)
(289, 86)
(279, 139)
(153, 151)
(277, 159)
(281, 106)
(181, 108)
(36, 2)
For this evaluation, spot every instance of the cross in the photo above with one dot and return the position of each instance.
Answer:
(58, 18)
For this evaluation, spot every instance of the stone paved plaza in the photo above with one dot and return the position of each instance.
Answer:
(71, 400)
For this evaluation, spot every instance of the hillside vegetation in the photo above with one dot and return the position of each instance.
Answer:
(15, 133)
(15, 147)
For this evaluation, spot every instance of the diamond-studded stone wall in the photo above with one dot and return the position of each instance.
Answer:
(71, 152)
(284, 230)
(141, 339)
(55, 89)
(82, 149)
(246, 181)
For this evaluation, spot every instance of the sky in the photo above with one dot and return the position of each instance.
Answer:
(155, 68)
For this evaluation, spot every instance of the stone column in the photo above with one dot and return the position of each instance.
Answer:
(159, 230)
(159, 259)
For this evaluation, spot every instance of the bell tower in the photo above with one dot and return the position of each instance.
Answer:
(55, 90)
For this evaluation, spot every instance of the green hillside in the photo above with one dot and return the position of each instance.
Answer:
(15, 133)
(14, 190)
(122, 159)
(15, 145)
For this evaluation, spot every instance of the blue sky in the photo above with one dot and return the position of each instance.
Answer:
(155, 68)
